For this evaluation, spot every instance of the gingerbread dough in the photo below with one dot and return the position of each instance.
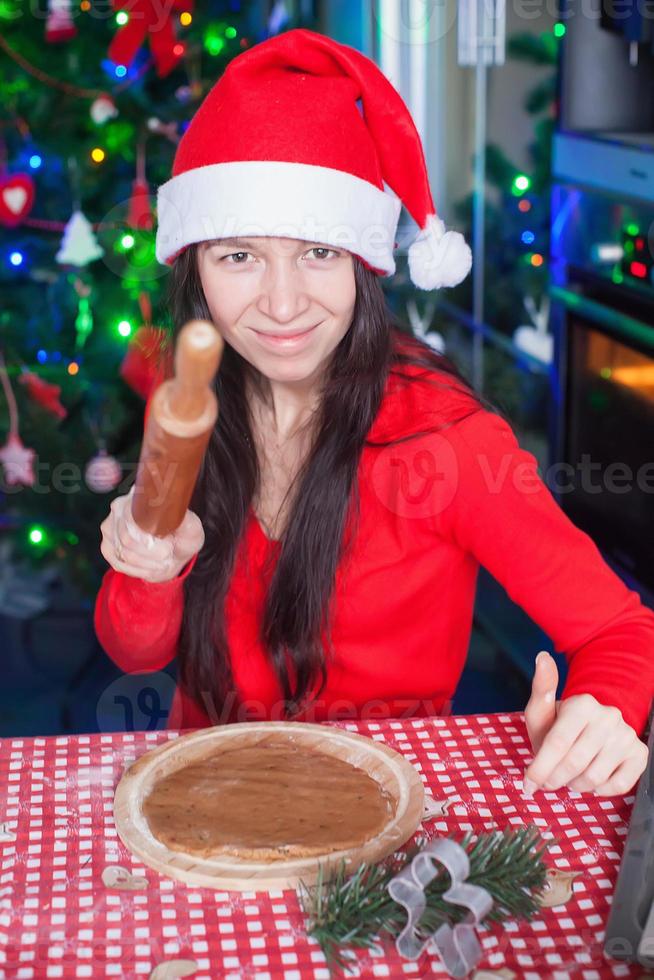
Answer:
(270, 801)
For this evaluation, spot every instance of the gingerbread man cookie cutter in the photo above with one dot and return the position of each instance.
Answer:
(458, 945)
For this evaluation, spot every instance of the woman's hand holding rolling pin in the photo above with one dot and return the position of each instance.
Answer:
(134, 552)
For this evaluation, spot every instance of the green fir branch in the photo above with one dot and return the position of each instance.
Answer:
(541, 97)
(356, 911)
(539, 49)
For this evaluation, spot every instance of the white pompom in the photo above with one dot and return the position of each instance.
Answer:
(102, 109)
(437, 257)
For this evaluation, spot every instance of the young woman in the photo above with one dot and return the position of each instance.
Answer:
(354, 481)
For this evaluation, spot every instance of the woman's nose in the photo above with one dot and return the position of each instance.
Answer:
(284, 297)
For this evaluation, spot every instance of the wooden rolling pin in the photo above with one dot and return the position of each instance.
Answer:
(182, 414)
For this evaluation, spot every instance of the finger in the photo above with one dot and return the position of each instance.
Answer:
(109, 554)
(130, 535)
(571, 771)
(122, 504)
(120, 561)
(163, 548)
(134, 558)
(540, 712)
(626, 775)
(557, 743)
(159, 549)
(132, 563)
(137, 533)
(117, 504)
(191, 524)
(186, 544)
(615, 750)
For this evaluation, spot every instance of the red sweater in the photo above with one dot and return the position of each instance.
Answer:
(432, 510)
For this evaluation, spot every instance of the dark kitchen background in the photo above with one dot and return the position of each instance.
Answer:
(540, 146)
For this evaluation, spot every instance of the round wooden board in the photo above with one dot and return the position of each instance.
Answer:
(390, 769)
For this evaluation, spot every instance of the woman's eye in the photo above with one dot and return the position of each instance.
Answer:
(325, 251)
(320, 253)
(232, 255)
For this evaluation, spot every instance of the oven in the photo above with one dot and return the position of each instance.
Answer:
(602, 316)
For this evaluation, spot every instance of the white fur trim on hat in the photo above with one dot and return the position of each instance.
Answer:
(277, 199)
(438, 257)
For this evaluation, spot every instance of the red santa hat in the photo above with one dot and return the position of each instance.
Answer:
(303, 137)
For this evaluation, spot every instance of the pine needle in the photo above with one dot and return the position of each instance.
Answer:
(355, 911)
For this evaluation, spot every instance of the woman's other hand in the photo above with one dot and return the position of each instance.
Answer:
(134, 552)
(578, 742)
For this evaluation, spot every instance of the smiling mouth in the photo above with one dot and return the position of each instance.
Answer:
(286, 336)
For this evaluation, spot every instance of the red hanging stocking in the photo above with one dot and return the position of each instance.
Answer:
(59, 26)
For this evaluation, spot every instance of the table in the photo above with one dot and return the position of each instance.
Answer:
(57, 836)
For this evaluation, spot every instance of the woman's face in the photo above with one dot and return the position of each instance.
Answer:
(261, 288)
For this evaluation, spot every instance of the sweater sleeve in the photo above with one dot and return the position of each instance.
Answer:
(138, 622)
(498, 508)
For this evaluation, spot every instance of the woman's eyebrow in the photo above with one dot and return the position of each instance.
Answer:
(233, 242)
(245, 243)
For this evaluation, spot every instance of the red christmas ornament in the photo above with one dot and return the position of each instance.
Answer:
(59, 26)
(148, 19)
(142, 364)
(43, 393)
(140, 216)
(16, 199)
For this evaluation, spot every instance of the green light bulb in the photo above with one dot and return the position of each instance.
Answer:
(36, 535)
(8, 10)
(83, 322)
(213, 41)
(521, 183)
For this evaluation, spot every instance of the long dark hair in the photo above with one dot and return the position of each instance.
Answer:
(301, 586)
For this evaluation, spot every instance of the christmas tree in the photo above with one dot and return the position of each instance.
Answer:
(95, 99)
(517, 216)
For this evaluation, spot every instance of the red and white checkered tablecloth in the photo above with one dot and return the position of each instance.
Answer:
(58, 919)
